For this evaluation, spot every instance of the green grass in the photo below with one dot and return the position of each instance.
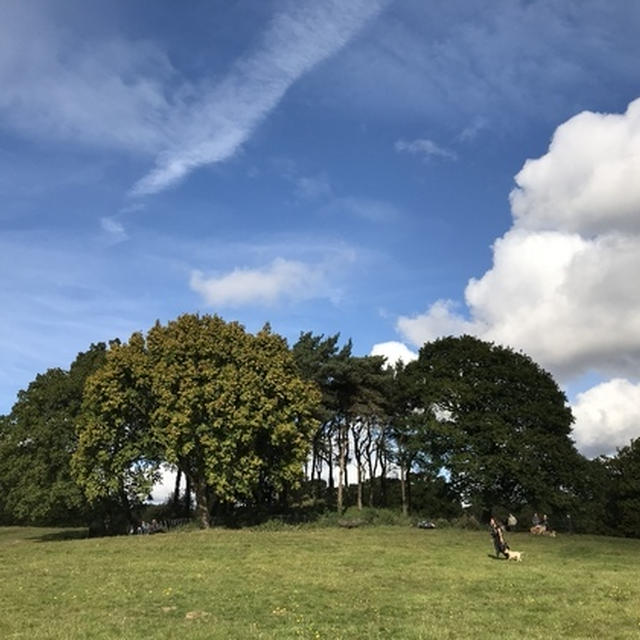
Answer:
(377, 582)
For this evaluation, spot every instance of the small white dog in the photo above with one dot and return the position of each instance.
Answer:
(514, 555)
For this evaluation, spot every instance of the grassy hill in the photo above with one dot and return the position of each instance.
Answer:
(378, 582)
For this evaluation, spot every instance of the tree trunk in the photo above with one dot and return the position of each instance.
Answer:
(371, 463)
(342, 467)
(330, 463)
(314, 462)
(357, 453)
(407, 479)
(124, 499)
(315, 469)
(403, 489)
(187, 497)
(382, 460)
(176, 492)
(383, 483)
(345, 480)
(202, 505)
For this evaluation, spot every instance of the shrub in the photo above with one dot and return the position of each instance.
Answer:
(442, 523)
(466, 521)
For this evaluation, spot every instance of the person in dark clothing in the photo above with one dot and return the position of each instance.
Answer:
(497, 536)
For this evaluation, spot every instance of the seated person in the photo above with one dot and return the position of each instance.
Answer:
(499, 543)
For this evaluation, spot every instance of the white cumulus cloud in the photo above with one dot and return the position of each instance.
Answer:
(282, 279)
(439, 320)
(588, 181)
(394, 351)
(563, 285)
(607, 416)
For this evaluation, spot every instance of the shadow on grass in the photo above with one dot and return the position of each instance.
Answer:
(493, 557)
(58, 536)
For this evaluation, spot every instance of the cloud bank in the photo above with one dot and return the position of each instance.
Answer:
(563, 285)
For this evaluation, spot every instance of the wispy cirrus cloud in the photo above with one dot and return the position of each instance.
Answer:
(471, 131)
(54, 86)
(128, 95)
(114, 230)
(454, 62)
(425, 148)
(225, 116)
(319, 190)
(369, 209)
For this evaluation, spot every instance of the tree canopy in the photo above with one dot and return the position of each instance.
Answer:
(36, 443)
(116, 458)
(228, 408)
(498, 423)
(624, 490)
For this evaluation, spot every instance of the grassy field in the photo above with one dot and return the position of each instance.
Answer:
(382, 582)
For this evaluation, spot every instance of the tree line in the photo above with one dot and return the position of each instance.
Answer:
(254, 426)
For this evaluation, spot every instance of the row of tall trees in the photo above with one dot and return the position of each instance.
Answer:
(490, 419)
(252, 423)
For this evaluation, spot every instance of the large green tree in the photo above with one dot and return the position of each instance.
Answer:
(497, 422)
(36, 444)
(228, 408)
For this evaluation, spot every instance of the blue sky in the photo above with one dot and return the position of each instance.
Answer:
(393, 170)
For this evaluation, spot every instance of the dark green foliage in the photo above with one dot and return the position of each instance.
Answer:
(36, 443)
(468, 423)
(354, 411)
(320, 361)
(497, 422)
(624, 490)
